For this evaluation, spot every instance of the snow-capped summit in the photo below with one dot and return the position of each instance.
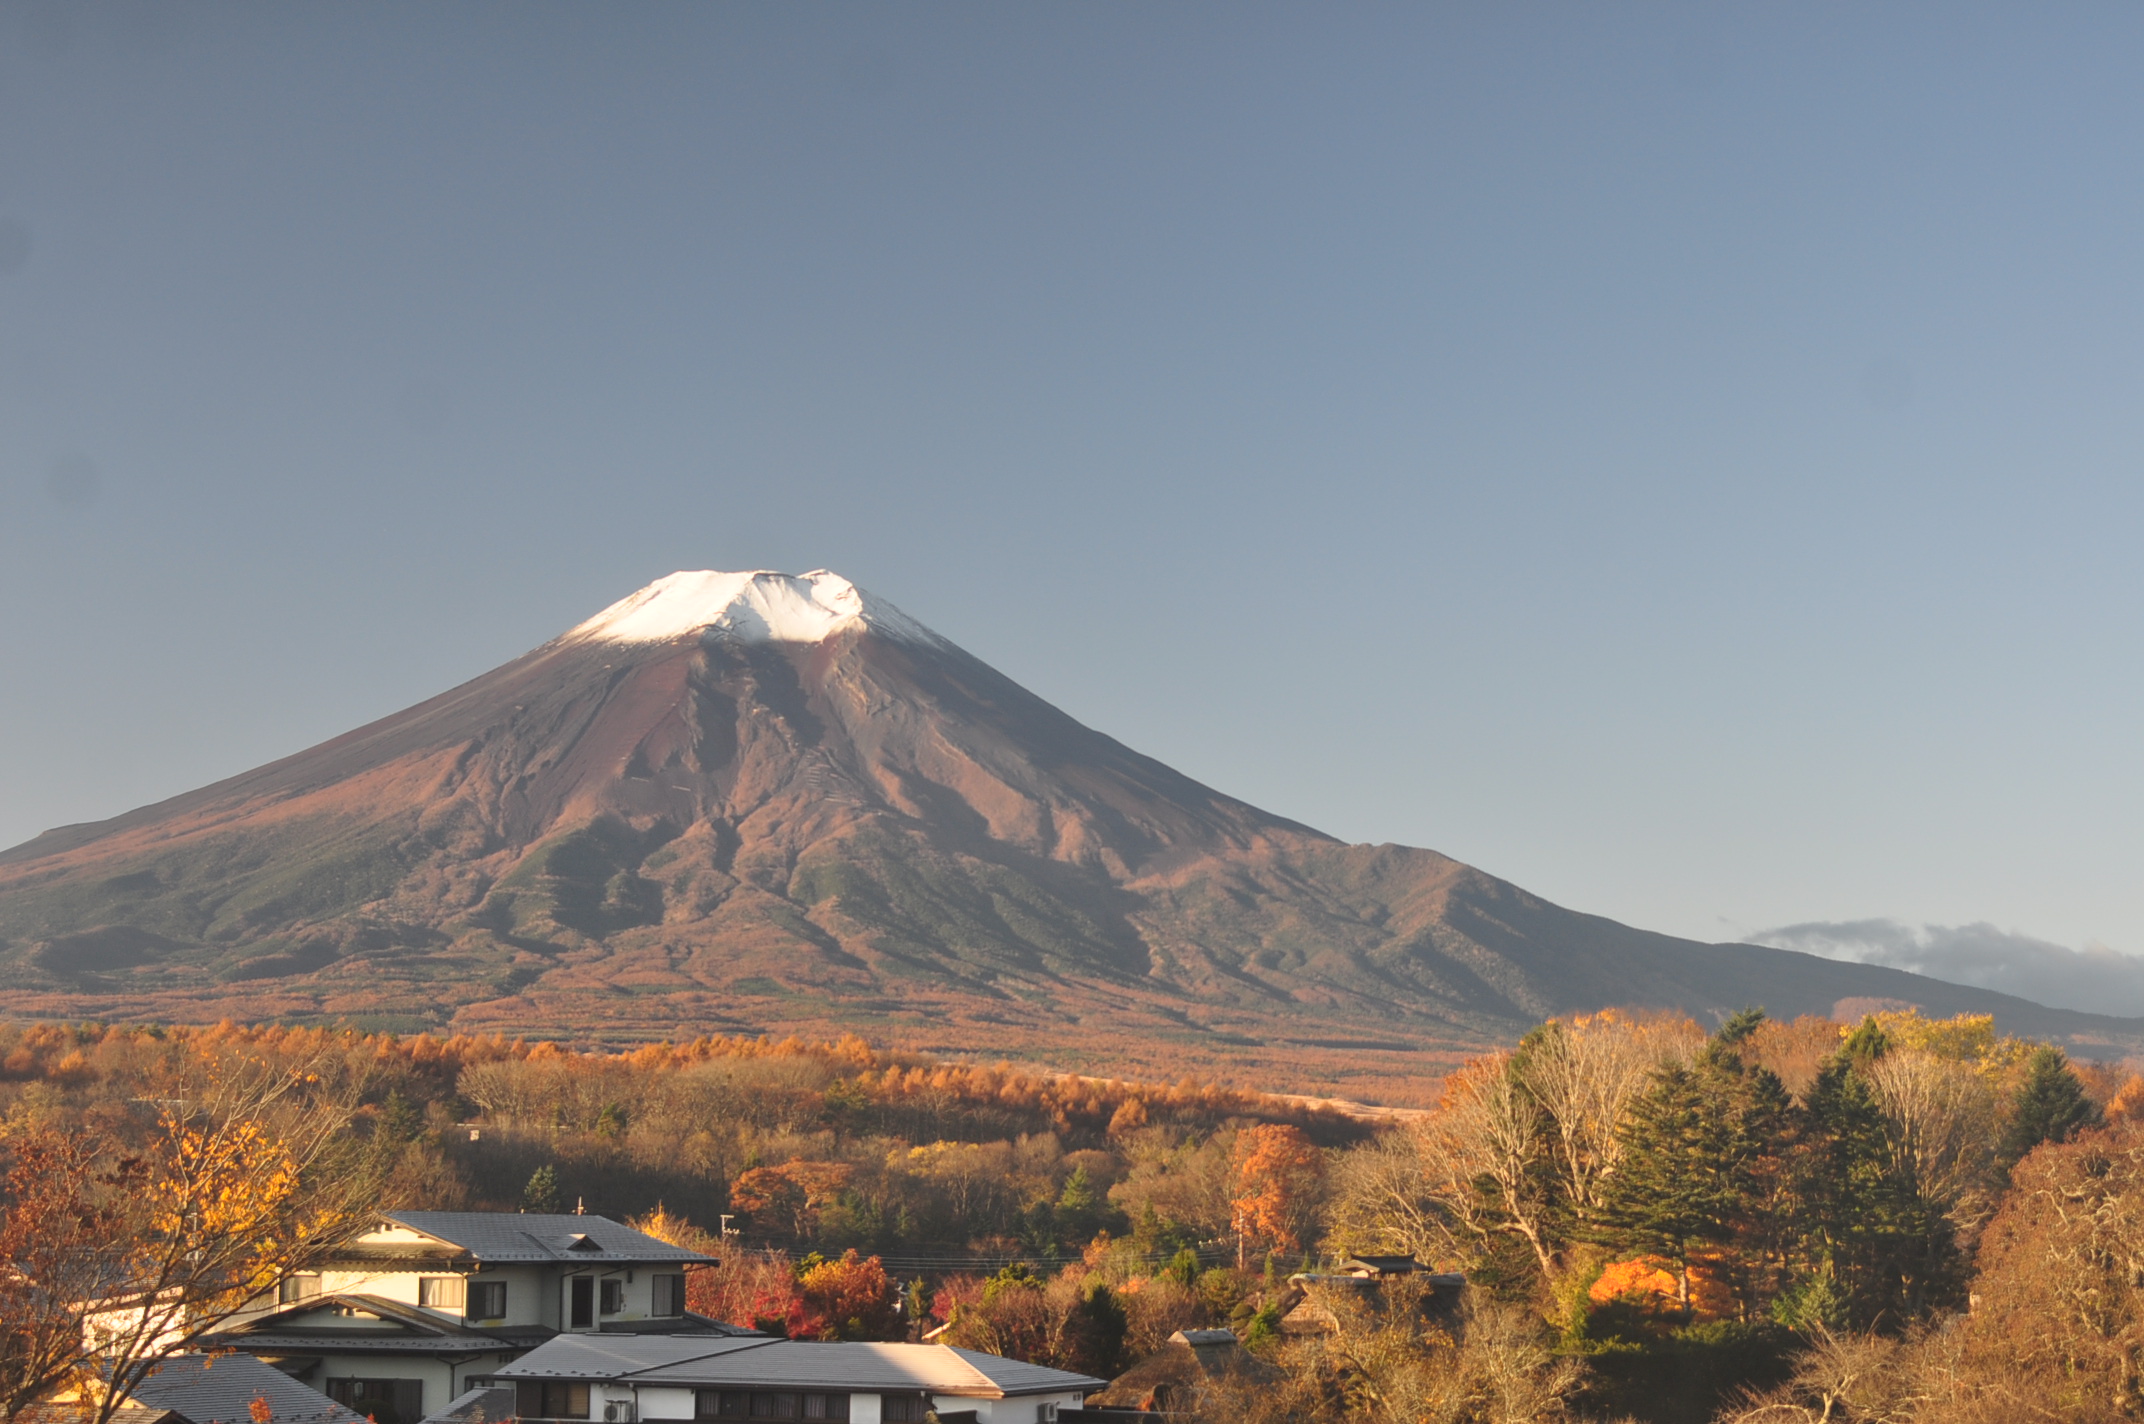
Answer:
(758, 606)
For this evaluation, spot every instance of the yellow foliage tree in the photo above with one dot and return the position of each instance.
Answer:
(246, 1172)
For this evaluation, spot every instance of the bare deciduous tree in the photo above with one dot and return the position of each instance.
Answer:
(1839, 1379)
(1383, 1202)
(1487, 1133)
(1389, 1361)
(1584, 1074)
(1946, 1121)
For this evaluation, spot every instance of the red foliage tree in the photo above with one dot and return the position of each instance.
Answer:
(850, 1298)
(54, 1249)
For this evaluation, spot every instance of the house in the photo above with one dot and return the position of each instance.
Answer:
(381, 1358)
(1306, 1307)
(620, 1378)
(413, 1313)
(208, 1389)
(513, 1269)
(1179, 1377)
(1377, 1267)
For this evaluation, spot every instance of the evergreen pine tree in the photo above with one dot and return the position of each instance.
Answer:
(1867, 1043)
(1700, 1159)
(1738, 1027)
(399, 1123)
(541, 1194)
(1097, 1331)
(1079, 1207)
(2050, 1106)
(399, 1120)
(1874, 1252)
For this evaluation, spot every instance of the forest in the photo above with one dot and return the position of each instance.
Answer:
(1895, 1219)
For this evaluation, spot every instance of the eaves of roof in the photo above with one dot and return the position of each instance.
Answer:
(401, 1329)
(351, 1343)
(785, 1364)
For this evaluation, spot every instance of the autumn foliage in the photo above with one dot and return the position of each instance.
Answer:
(1651, 1217)
(137, 1219)
(1278, 1175)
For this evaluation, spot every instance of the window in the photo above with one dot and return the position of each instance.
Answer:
(549, 1399)
(299, 1287)
(582, 1315)
(669, 1295)
(487, 1300)
(759, 1404)
(440, 1292)
(390, 1401)
(613, 1297)
(902, 1408)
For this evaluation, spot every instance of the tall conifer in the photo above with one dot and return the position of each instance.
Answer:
(1873, 1248)
(1700, 1155)
(2050, 1107)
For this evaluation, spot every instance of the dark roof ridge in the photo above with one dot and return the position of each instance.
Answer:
(731, 1348)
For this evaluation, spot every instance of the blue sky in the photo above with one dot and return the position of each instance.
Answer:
(1682, 459)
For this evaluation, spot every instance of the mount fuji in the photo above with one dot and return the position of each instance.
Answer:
(756, 802)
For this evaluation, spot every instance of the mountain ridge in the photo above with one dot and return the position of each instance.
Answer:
(726, 827)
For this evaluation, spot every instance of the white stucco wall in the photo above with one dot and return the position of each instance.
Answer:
(528, 1298)
(1024, 1410)
(677, 1404)
(666, 1403)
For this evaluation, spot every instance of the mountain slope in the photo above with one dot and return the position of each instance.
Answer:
(745, 802)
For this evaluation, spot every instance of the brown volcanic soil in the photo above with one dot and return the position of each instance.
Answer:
(614, 843)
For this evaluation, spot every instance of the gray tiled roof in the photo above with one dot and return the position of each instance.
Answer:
(686, 1324)
(1017, 1376)
(72, 1411)
(486, 1404)
(514, 1236)
(220, 1389)
(791, 1364)
(593, 1357)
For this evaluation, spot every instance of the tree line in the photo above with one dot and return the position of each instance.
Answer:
(1896, 1219)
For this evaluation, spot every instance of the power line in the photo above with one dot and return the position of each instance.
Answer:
(1207, 1253)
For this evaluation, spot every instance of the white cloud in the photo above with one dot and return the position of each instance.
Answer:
(2095, 979)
